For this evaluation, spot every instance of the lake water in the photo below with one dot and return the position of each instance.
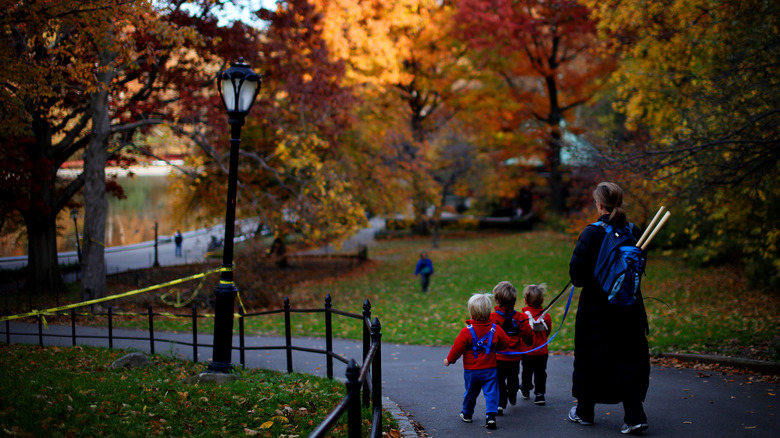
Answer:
(128, 221)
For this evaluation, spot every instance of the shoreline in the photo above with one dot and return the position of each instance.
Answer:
(149, 170)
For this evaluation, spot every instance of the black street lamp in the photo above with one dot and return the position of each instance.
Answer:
(238, 86)
(74, 214)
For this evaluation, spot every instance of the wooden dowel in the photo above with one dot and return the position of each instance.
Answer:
(655, 230)
(650, 227)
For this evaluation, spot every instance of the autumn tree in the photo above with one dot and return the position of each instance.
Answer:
(698, 86)
(543, 53)
(294, 168)
(86, 77)
(411, 73)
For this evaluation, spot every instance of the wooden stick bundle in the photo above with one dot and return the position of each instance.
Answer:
(653, 229)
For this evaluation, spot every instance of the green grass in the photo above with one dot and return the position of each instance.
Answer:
(59, 392)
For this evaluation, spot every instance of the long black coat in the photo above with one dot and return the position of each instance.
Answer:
(611, 356)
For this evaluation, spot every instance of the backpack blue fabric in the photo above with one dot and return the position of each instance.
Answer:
(620, 264)
(476, 344)
(510, 323)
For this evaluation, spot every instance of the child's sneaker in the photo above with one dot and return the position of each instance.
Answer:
(539, 400)
(526, 394)
(490, 421)
(465, 417)
(512, 397)
(500, 411)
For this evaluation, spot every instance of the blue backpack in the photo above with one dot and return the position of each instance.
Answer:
(484, 343)
(620, 264)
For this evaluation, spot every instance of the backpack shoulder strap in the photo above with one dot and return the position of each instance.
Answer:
(489, 339)
(474, 340)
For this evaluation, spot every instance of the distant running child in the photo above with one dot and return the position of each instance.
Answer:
(535, 362)
(478, 343)
(515, 326)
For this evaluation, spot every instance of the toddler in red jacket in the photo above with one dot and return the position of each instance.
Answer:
(478, 343)
(534, 375)
(516, 328)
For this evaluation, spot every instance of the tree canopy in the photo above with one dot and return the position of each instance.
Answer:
(700, 78)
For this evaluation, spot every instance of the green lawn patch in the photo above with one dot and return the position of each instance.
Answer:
(59, 392)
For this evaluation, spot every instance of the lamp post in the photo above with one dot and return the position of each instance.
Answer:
(74, 214)
(238, 87)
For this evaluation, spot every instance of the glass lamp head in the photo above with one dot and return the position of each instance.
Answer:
(238, 87)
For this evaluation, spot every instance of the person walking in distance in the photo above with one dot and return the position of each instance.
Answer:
(178, 239)
(424, 269)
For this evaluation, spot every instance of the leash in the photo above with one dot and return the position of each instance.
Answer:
(568, 304)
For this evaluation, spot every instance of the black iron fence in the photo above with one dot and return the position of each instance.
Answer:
(365, 379)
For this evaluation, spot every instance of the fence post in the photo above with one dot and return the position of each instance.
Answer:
(73, 325)
(110, 328)
(376, 372)
(194, 333)
(40, 329)
(366, 346)
(329, 336)
(151, 329)
(287, 333)
(353, 407)
(241, 335)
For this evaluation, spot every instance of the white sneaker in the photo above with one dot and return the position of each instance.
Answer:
(637, 428)
(573, 417)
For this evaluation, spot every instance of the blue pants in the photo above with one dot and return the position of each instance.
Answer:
(480, 380)
(425, 280)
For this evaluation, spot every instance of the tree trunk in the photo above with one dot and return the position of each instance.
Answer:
(43, 269)
(93, 284)
(556, 178)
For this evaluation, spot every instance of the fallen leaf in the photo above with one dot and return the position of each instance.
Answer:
(267, 425)
(250, 432)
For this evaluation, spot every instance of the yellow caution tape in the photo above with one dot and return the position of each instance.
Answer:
(112, 297)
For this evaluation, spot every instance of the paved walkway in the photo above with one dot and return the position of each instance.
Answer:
(681, 402)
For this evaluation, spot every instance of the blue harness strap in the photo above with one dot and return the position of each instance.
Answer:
(510, 316)
(476, 344)
(568, 303)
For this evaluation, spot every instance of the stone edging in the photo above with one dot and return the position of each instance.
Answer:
(404, 425)
(760, 366)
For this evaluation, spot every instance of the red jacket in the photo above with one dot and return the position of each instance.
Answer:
(516, 342)
(538, 337)
(463, 346)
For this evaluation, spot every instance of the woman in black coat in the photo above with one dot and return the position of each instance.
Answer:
(611, 356)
